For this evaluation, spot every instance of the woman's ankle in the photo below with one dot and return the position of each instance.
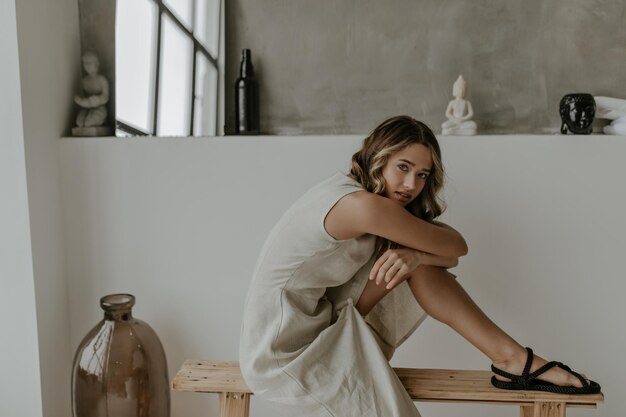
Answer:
(509, 355)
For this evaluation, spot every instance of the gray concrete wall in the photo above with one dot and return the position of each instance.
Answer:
(331, 66)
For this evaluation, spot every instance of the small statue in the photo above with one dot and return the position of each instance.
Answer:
(459, 112)
(93, 113)
(577, 112)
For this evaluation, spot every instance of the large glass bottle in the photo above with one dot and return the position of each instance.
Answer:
(246, 98)
(120, 368)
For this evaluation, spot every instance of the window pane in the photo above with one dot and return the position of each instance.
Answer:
(207, 23)
(175, 82)
(182, 9)
(205, 110)
(134, 56)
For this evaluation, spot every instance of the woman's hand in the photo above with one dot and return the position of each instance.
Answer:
(395, 265)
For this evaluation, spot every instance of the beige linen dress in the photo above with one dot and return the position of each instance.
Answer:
(304, 346)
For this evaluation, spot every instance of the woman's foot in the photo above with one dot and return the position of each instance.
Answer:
(514, 364)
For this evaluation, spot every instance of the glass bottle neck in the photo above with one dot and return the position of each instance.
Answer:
(246, 69)
(119, 315)
(117, 306)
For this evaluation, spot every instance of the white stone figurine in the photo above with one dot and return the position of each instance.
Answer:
(459, 112)
(93, 113)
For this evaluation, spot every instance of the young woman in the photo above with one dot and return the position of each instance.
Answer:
(351, 270)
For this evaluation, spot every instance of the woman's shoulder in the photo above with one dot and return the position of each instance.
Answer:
(305, 217)
(325, 194)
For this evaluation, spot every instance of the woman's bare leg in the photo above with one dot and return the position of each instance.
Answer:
(370, 296)
(438, 293)
(443, 298)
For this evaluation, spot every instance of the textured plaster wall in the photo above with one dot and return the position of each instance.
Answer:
(342, 66)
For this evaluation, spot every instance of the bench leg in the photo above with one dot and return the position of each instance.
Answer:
(543, 409)
(234, 404)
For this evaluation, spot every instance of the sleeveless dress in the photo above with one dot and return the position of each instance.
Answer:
(303, 345)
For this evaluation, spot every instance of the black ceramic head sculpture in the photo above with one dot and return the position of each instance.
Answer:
(577, 113)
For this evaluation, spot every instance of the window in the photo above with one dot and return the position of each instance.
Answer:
(168, 67)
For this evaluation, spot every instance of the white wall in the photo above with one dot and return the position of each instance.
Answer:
(49, 58)
(20, 394)
(179, 223)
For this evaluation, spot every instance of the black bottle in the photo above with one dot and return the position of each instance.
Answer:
(246, 98)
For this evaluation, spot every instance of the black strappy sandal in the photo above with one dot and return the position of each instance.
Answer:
(528, 381)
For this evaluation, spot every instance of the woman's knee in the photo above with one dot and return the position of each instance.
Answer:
(372, 293)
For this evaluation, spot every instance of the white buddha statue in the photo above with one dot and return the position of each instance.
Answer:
(459, 112)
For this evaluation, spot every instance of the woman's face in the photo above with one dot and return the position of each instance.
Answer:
(406, 172)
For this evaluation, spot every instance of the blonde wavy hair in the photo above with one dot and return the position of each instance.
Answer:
(391, 136)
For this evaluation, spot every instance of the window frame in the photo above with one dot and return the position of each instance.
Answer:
(127, 128)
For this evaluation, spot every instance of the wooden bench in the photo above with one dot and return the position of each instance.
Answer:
(423, 385)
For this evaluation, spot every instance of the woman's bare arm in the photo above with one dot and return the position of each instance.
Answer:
(364, 212)
(435, 260)
(447, 226)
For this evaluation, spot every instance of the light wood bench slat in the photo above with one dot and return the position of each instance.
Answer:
(210, 376)
(431, 384)
(425, 385)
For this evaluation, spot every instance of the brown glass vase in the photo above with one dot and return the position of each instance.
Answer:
(120, 368)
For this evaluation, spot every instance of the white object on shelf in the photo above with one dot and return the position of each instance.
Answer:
(610, 108)
(459, 112)
(613, 109)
